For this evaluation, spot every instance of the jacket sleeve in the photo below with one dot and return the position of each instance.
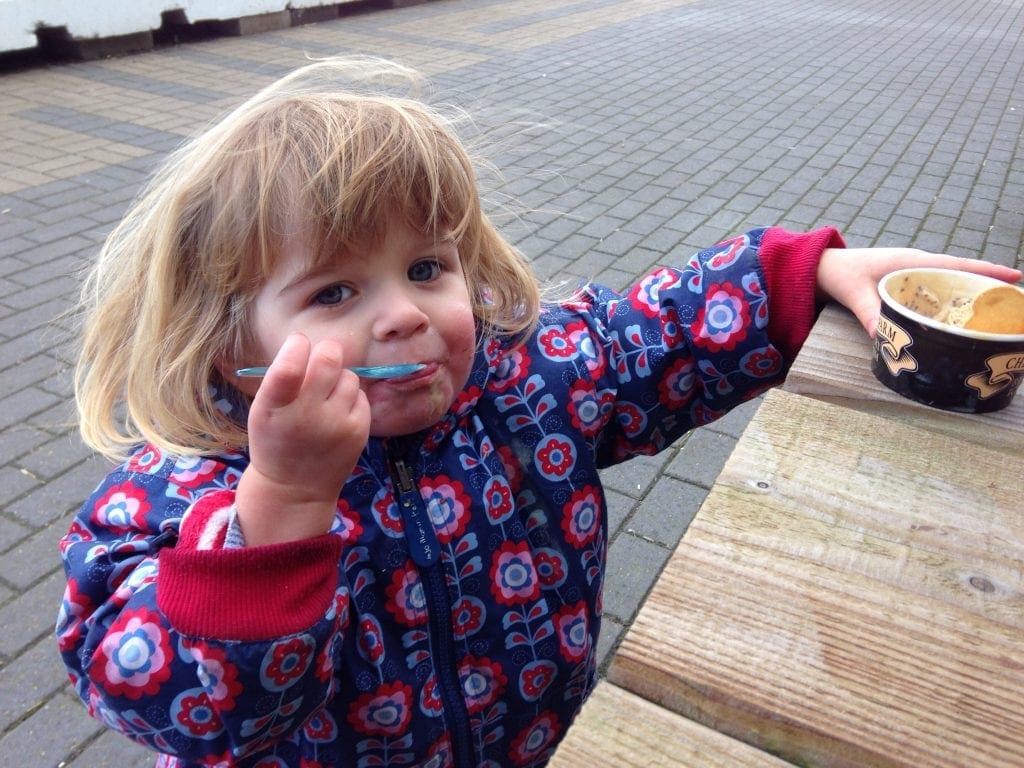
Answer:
(185, 647)
(684, 345)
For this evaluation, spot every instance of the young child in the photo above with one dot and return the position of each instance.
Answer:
(317, 569)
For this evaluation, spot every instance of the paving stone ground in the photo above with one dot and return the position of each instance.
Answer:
(629, 133)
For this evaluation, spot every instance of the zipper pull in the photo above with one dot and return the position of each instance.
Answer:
(419, 531)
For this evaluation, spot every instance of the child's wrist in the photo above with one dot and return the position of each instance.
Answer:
(271, 512)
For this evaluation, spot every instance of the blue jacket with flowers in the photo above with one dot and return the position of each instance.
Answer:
(450, 616)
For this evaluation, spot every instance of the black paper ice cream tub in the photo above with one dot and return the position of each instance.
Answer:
(920, 353)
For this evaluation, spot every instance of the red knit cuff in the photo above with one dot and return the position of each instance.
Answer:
(790, 263)
(250, 594)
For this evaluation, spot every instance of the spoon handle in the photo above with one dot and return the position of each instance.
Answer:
(366, 372)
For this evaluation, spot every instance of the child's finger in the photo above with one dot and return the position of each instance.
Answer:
(998, 271)
(324, 370)
(287, 372)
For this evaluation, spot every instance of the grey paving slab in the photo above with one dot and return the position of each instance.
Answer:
(629, 134)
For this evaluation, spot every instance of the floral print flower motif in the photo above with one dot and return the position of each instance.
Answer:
(217, 675)
(467, 616)
(193, 471)
(513, 367)
(448, 506)
(483, 682)
(339, 608)
(383, 712)
(678, 386)
(406, 601)
(762, 363)
(430, 698)
(466, 399)
(701, 414)
(586, 349)
(492, 349)
(588, 408)
(224, 760)
(726, 253)
(693, 274)
(498, 500)
(387, 515)
(134, 658)
(75, 606)
(672, 329)
(193, 715)
(324, 663)
(536, 739)
(573, 632)
(76, 533)
(723, 320)
(514, 577)
(632, 420)
(555, 456)
(286, 661)
(555, 343)
(346, 522)
(440, 753)
(121, 509)
(535, 678)
(646, 295)
(370, 640)
(146, 461)
(581, 516)
(321, 728)
(552, 568)
(758, 300)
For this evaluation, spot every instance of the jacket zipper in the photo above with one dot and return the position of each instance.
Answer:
(419, 531)
(425, 550)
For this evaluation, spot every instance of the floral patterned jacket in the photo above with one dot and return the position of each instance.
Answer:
(450, 616)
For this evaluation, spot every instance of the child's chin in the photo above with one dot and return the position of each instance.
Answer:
(397, 425)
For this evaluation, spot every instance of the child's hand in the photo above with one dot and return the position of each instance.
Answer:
(851, 275)
(308, 424)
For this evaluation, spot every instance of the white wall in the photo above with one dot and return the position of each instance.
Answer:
(19, 19)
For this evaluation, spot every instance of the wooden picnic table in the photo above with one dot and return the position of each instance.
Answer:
(851, 593)
(835, 365)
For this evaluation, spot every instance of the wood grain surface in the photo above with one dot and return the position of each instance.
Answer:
(619, 729)
(850, 594)
(835, 365)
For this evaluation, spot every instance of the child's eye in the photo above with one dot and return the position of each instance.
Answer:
(423, 271)
(332, 294)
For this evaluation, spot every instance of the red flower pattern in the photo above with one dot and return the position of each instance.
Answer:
(384, 712)
(287, 661)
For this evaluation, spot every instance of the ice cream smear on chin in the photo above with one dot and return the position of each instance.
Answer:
(995, 310)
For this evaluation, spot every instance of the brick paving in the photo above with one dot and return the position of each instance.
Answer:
(629, 133)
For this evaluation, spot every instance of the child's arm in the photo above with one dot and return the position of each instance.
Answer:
(850, 276)
(685, 345)
(158, 622)
(308, 424)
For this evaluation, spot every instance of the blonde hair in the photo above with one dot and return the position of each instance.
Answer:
(170, 294)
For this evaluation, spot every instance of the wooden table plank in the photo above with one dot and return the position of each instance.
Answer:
(850, 594)
(618, 728)
(835, 365)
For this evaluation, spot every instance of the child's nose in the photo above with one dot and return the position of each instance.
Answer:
(398, 316)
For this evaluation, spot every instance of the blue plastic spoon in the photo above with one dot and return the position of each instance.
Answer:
(366, 372)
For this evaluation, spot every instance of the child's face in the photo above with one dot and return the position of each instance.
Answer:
(401, 300)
